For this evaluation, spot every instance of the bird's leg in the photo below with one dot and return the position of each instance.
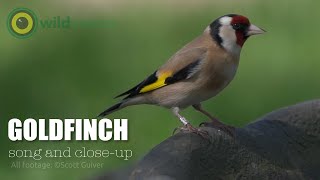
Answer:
(175, 111)
(215, 123)
(187, 126)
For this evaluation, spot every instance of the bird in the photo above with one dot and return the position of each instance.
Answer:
(197, 72)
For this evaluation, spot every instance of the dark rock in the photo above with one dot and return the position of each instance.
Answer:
(284, 144)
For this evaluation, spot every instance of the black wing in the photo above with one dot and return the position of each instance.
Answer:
(182, 74)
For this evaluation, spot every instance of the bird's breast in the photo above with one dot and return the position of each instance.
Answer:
(220, 75)
(229, 71)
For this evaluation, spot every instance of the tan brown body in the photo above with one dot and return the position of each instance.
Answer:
(218, 68)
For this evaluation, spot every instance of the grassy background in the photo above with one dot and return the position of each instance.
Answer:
(75, 73)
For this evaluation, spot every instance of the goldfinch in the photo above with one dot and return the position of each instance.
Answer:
(197, 72)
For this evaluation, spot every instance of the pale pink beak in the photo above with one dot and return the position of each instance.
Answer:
(254, 30)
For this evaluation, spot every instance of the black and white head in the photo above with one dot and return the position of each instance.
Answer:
(232, 30)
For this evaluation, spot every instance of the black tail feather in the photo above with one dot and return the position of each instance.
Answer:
(110, 110)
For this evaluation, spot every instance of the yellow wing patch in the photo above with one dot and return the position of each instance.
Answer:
(158, 84)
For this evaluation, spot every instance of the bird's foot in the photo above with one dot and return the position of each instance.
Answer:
(189, 128)
(214, 123)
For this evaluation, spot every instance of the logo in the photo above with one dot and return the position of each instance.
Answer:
(22, 22)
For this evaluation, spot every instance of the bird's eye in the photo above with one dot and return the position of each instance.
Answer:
(237, 26)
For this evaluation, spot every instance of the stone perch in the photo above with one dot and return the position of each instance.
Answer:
(282, 145)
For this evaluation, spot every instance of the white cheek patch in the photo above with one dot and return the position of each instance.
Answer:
(228, 36)
(229, 39)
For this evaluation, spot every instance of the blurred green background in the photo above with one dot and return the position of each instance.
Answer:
(76, 72)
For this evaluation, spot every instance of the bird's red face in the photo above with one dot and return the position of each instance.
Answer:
(240, 24)
(231, 31)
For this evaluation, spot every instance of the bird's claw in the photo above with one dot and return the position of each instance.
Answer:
(189, 128)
